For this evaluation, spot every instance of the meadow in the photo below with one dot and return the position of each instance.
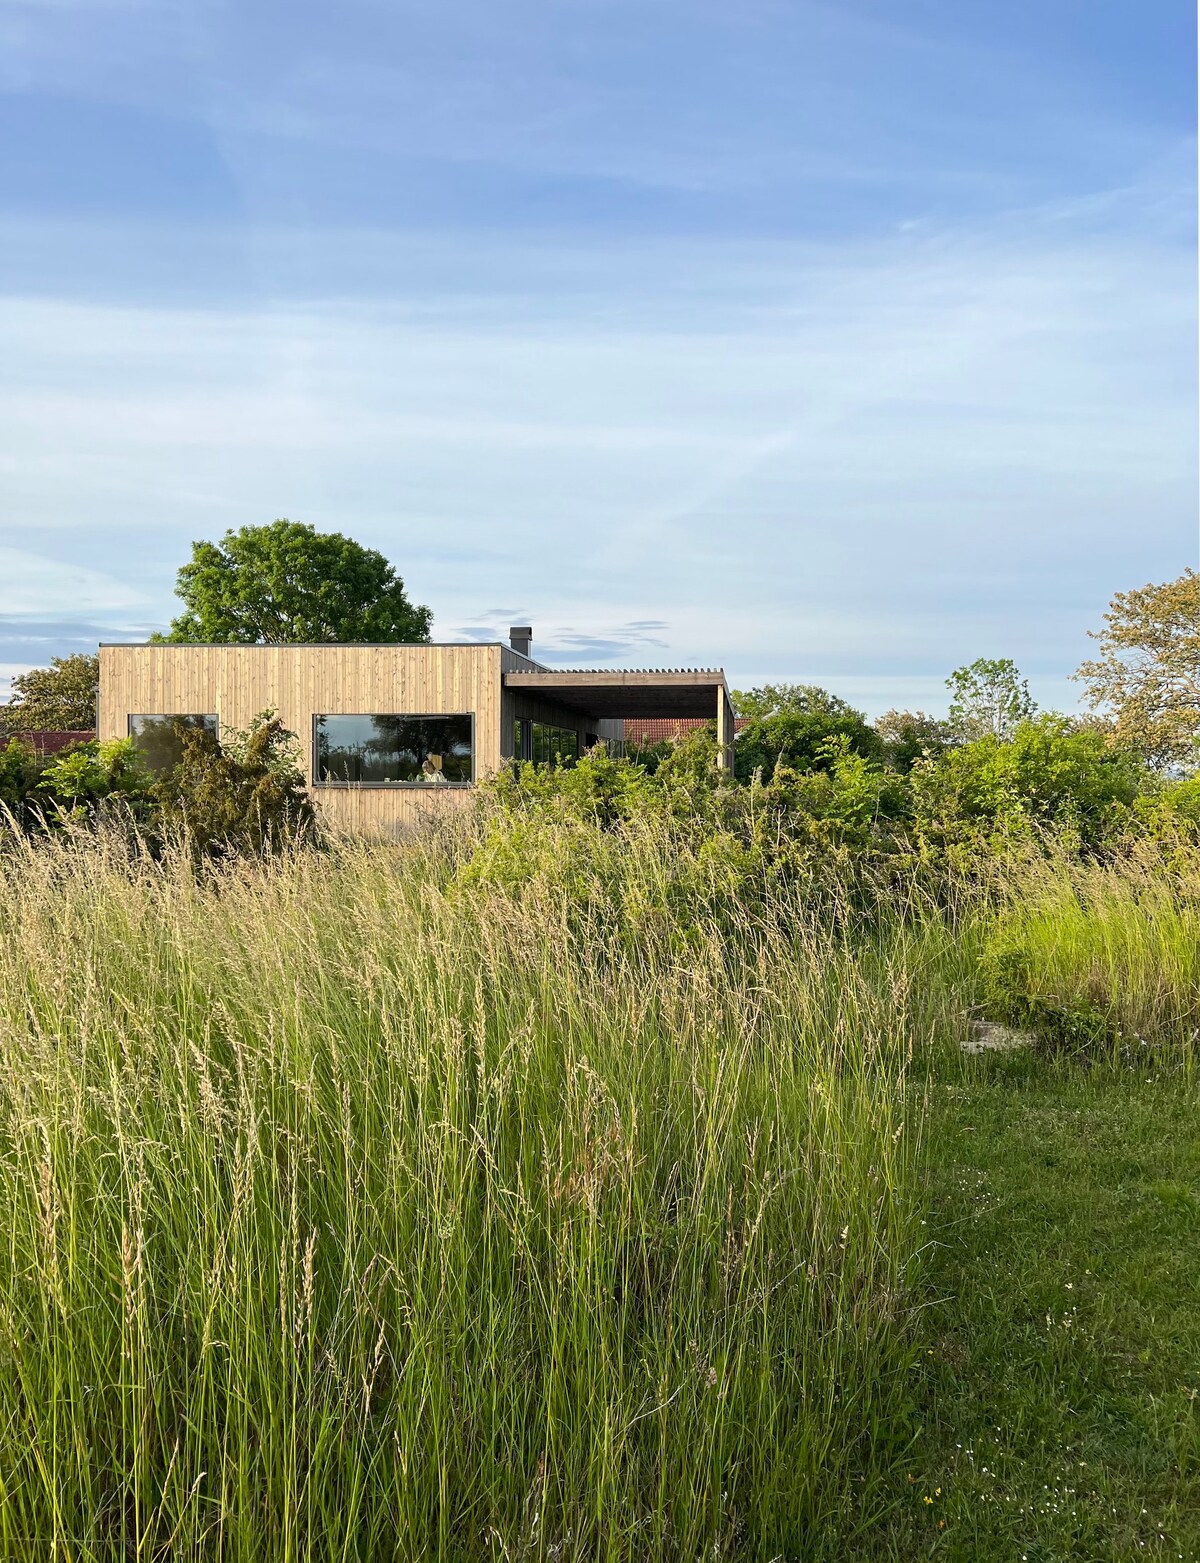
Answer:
(533, 1190)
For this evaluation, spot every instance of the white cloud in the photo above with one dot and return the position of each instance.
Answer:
(899, 454)
(35, 584)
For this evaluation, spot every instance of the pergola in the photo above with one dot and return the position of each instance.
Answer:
(638, 692)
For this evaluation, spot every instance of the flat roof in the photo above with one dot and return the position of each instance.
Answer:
(627, 692)
(305, 645)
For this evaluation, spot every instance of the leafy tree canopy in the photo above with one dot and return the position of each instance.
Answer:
(792, 725)
(1148, 670)
(60, 698)
(795, 699)
(909, 736)
(287, 582)
(1047, 771)
(989, 698)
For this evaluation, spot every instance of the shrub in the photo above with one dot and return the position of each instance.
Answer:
(72, 785)
(243, 795)
(19, 771)
(800, 739)
(1049, 773)
(76, 780)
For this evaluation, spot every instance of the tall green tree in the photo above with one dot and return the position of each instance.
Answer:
(789, 699)
(60, 698)
(287, 582)
(1148, 670)
(792, 724)
(988, 699)
(909, 736)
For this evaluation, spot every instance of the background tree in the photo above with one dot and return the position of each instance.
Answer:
(287, 582)
(778, 699)
(791, 724)
(1148, 670)
(60, 698)
(989, 699)
(909, 736)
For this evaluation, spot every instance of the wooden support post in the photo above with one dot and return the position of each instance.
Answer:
(724, 731)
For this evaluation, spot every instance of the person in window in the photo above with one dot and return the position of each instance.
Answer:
(431, 769)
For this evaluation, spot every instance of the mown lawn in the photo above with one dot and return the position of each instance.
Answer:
(1061, 1348)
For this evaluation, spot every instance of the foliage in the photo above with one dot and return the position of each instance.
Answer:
(988, 699)
(650, 755)
(909, 736)
(1148, 670)
(1100, 950)
(19, 772)
(287, 582)
(72, 785)
(796, 699)
(1047, 773)
(792, 725)
(75, 780)
(555, 1184)
(60, 698)
(245, 794)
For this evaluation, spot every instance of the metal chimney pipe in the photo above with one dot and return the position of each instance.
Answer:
(520, 638)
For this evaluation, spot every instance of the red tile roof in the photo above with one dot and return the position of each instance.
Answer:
(668, 729)
(46, 742)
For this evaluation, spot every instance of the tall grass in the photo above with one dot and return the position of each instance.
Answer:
(1095, 951)
(360, 1205)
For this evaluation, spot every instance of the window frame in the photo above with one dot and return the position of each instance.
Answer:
(392, 786)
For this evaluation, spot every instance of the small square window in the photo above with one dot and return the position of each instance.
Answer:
(160, 738)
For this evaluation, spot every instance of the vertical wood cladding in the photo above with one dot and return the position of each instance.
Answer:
(298, 682)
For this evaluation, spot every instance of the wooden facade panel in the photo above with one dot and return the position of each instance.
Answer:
(297, 682)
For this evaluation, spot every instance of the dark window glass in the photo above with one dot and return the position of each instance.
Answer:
(554, 745)
(159, 738)
(388, 751)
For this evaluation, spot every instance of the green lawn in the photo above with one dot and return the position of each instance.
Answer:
(1060, 1361)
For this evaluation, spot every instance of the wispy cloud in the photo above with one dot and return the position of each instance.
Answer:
(818, 339)
(892, 446)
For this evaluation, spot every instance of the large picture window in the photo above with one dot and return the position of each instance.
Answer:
(160, 738)
(393, 751)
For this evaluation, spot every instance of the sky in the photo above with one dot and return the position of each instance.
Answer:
(843, 342)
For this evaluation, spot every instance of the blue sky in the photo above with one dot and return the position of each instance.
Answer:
(843, 342)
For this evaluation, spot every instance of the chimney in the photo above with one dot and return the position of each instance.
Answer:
(520, 638)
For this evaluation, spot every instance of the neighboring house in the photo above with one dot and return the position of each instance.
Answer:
(669, 729)
(384, 730)
(45, 742)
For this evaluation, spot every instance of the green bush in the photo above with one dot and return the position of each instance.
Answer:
(19, 772)
(800, 740)
(243, 795)
(78, 779)
(73, 785)
(1050, 773)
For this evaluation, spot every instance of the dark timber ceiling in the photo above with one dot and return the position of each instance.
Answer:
(649, 693)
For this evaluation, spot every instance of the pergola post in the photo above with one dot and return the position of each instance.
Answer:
(724, 731)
